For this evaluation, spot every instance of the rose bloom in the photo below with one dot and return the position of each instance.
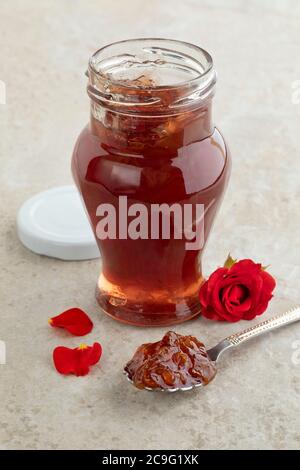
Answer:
(239, 292)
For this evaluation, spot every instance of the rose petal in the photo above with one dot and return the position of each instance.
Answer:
(64, 360)
(215, 283)
(237, 294)
(95, 353)
(76, 361)
(74, 320)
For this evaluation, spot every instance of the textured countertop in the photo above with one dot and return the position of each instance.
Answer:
(254, 400)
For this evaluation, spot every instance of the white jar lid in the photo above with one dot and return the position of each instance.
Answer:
(54, 223)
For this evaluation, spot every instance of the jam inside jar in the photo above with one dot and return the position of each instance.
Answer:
(151, 142)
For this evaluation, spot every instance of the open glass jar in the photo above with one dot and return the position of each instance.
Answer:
(152, 169)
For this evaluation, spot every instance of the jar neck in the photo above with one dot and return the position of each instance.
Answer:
(149, 135)
(151, 94)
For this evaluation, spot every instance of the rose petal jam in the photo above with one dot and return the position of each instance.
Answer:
(151, 143)
(174, 362)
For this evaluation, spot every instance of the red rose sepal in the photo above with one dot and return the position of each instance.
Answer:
(240, 290)
(74, 320)
(76, 361)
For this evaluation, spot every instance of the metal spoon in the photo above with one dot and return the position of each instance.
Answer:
(236, 339)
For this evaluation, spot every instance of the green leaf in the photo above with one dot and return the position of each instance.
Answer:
(264, 268)
(229, 262)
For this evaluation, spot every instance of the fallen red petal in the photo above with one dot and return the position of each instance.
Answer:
(74, 320)
(76, 361)
(64, 360)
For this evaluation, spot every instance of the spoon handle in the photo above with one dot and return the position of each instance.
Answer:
(291, 316)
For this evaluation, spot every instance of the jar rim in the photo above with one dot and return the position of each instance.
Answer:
(131, 86)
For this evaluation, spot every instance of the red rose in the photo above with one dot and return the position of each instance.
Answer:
(238, 291)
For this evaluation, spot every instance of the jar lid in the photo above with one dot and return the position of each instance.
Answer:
(54, 223)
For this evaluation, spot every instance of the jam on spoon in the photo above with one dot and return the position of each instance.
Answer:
(176, 361)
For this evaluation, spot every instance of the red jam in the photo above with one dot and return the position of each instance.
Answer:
(154, 145)
(174, 362)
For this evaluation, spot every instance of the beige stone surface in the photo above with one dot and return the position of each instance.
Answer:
(254, 401)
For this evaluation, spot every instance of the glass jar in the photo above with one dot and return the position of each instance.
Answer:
(152, 169)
